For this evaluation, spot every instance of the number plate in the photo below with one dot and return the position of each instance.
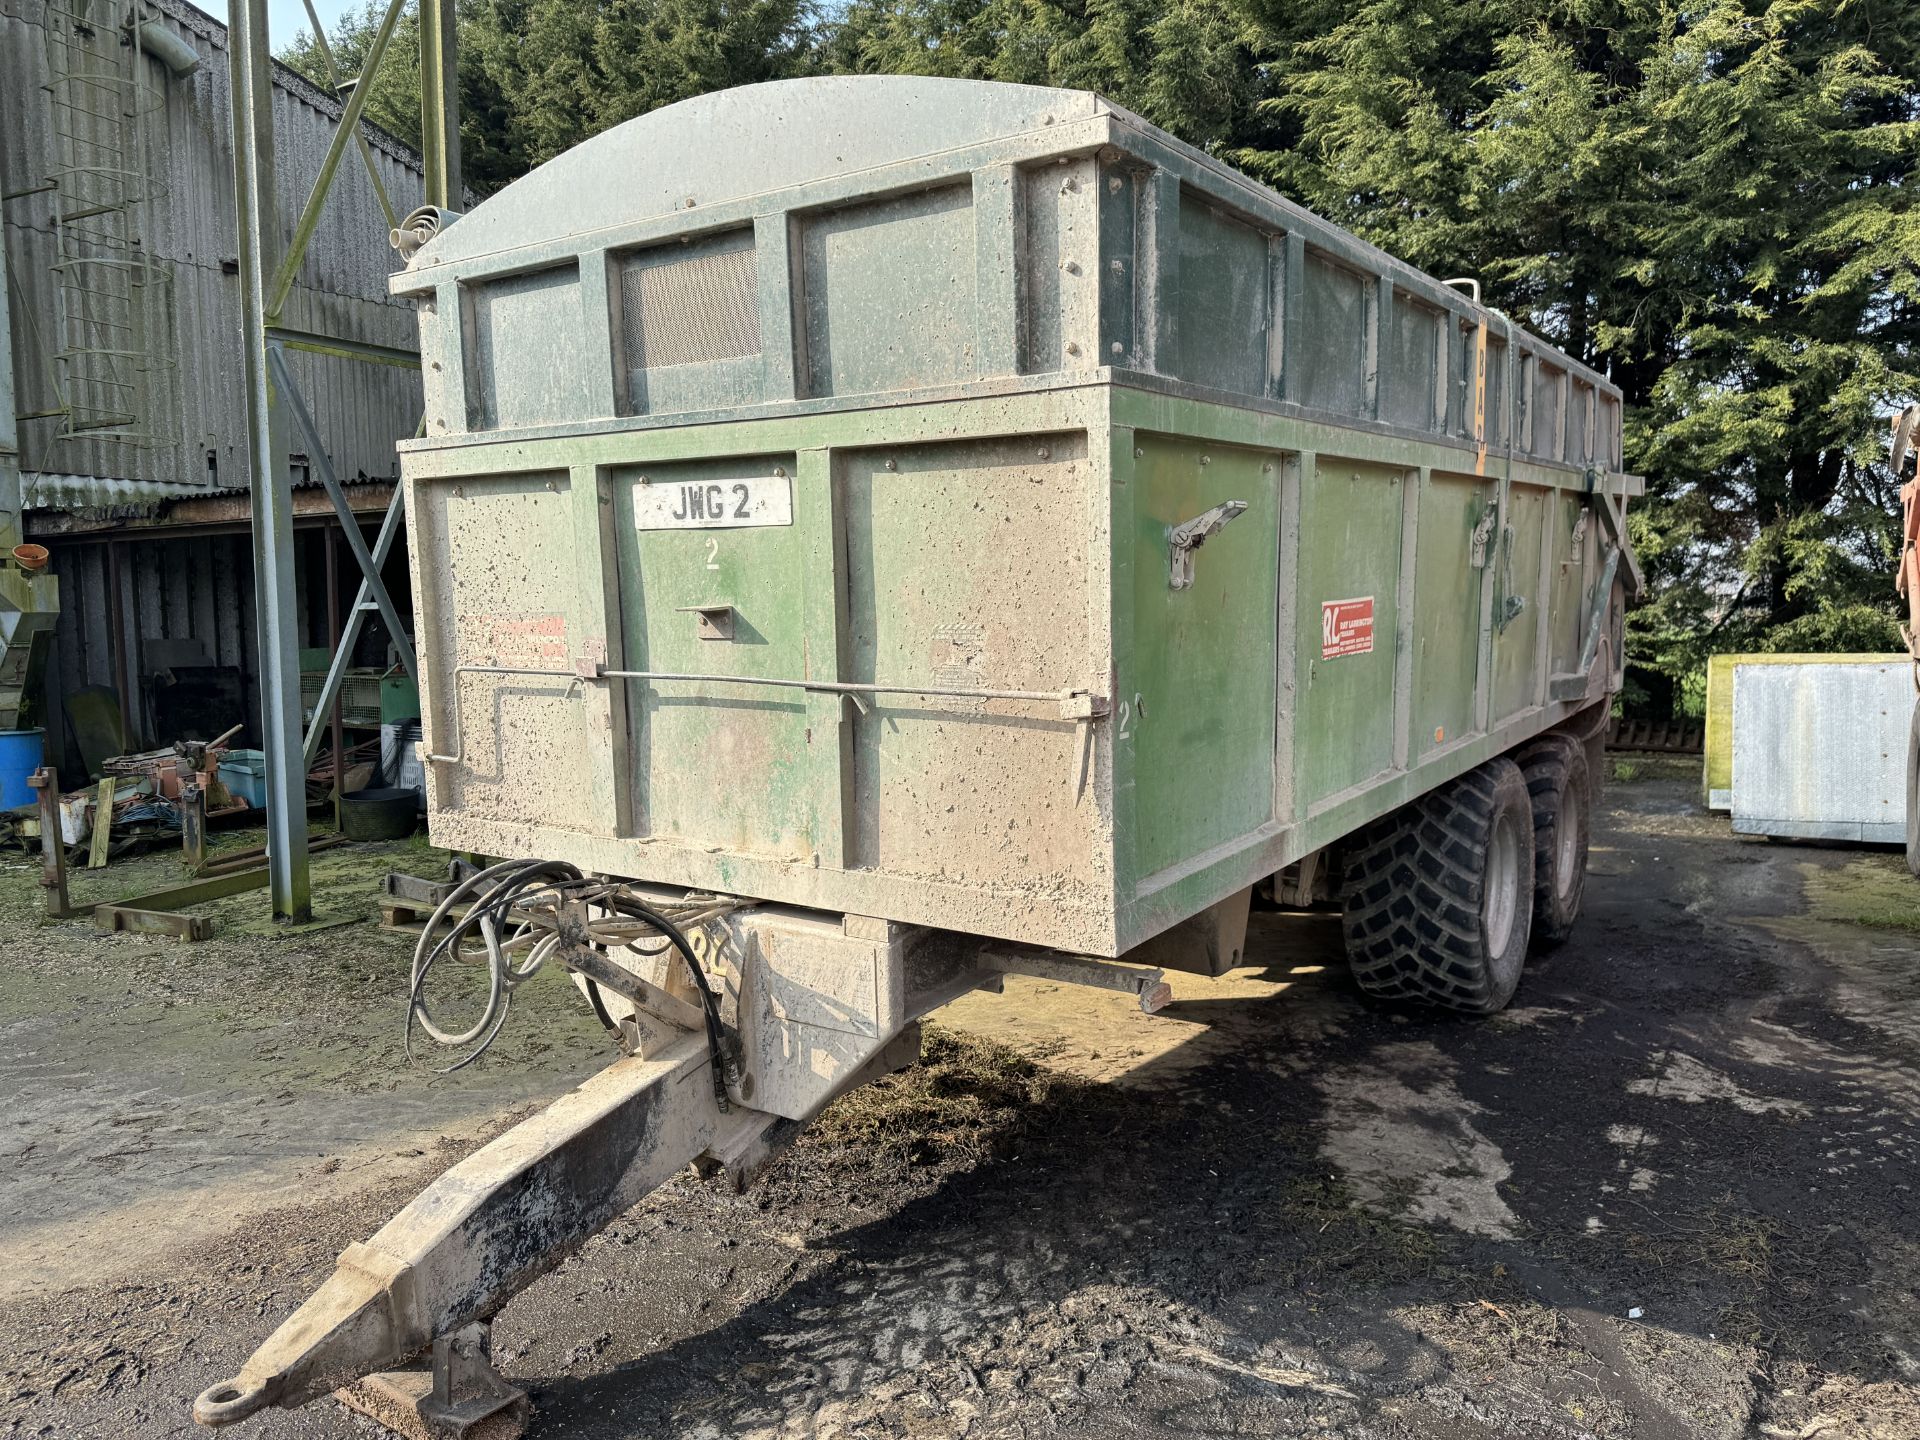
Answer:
(713, 504)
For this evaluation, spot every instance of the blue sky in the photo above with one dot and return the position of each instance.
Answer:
(287, 18)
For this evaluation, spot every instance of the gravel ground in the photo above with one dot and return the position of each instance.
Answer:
(1668, 1194)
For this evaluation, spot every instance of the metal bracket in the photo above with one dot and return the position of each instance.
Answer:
(714, 622)
(1081, 706)
(1483, 536)
(1149, 986)
(454, 1400)
(1188, 536)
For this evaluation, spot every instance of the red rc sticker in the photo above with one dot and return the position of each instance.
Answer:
(1346, 627)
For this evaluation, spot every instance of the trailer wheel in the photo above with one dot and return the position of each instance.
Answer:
(1913, 791)
(1558, 783)
(1438, 894)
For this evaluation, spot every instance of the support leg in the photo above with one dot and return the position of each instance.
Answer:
(53, 847)
(460, 1397)
(193, 828)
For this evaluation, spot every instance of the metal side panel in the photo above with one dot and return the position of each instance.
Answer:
(1515, 572)
(525, 364)
(1716, 776)
(1820, 749)
(506, 572)
(1194, 704)
(712, 560)
(888, 293)
(1348, 617)
(1446, 618)
(1575, 541)
(971, 566)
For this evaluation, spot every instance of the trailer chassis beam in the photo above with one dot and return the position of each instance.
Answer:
(485, 1230)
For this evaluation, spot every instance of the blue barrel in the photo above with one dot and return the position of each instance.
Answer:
(21, 753)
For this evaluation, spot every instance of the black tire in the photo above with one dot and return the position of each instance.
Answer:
(1913, 791)
(1437, 894)
(1559, 785)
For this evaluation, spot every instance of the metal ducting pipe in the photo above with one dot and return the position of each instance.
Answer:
(175, 52)
(418, 228)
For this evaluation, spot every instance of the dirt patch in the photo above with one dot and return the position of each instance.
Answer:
(158, 1091)
(1667, 1195)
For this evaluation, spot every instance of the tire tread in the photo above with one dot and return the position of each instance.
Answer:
(1413, 889)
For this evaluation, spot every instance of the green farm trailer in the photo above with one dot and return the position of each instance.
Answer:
(874, 535)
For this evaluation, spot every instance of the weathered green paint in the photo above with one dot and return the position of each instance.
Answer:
(1350, 550)
(1446, 618)
(1200, 751)
(1516, 582)
(714, 764)
(1567, 579)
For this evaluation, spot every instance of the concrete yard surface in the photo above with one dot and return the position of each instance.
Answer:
(1670, 1193)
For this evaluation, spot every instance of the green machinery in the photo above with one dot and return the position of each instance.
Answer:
(873, 535)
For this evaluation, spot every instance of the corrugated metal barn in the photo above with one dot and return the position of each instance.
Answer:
(116, 164)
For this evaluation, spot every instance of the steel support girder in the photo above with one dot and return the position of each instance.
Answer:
(356, 618)
(333, 79)
(486, 1229)
(270, 481)
(349, 522)
(440, 105)
(348, 128)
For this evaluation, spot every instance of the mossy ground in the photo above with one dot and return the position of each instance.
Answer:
(1875, 890)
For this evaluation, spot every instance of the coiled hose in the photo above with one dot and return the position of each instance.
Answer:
(536, 891)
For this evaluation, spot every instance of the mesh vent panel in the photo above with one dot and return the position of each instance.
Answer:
(691, 304)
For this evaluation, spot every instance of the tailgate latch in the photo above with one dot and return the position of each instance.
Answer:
(1188, 536)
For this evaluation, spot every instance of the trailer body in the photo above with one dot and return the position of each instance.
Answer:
(875, 535)
(949, 361)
